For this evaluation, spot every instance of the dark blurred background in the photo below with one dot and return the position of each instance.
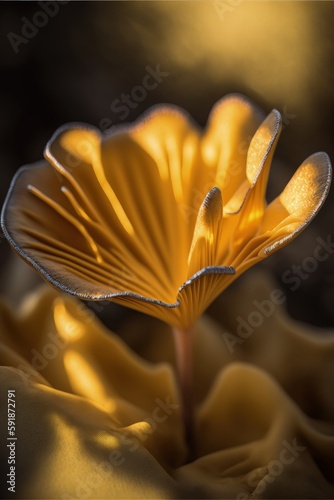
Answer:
(69, 61)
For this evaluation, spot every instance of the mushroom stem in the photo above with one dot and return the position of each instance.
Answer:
(184, 344)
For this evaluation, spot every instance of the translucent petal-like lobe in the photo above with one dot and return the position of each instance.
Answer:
(299, 202)
(259, 156)
(259, 159)
(207, 233)
(262, 146)
(148, 199)
(172, 142)
(72, 145)
(232, 124)
(78, 253)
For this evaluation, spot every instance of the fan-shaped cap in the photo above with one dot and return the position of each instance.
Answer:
(159, 216)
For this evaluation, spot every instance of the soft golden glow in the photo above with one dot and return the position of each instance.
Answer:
(232, 41)
(161, 217)
(85, 380)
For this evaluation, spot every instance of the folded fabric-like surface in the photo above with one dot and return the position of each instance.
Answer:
(94, 419)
